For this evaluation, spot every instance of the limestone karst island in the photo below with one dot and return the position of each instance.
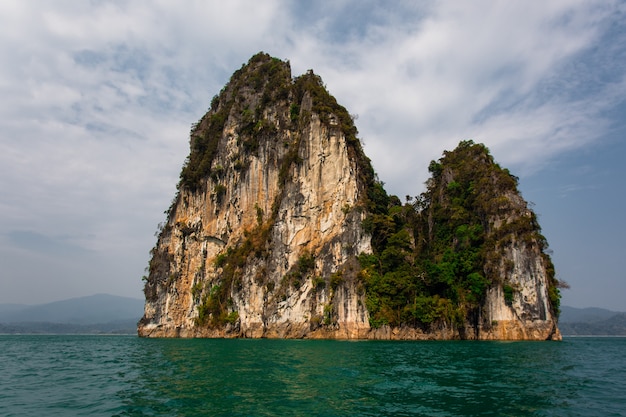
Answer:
(280, 229)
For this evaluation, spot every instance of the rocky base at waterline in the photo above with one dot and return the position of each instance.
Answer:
(504, 331)
(281, 229)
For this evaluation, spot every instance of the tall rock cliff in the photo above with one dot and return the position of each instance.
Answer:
(262, 238)
(279, 229)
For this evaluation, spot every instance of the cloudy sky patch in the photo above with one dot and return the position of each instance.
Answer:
(98, 99)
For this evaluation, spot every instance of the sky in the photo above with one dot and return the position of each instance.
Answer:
(97, 99)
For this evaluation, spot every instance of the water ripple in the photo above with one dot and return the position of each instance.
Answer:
(128, 376)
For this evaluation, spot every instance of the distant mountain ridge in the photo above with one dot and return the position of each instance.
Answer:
(585, 315)
(592, 321)
(99, 313)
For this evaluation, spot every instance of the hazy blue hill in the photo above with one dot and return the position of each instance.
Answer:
(99, 308)
(11, 308)
(100, 313)
(592, 322)
(584, 315)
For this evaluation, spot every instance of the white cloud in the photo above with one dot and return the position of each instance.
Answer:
(467, 70)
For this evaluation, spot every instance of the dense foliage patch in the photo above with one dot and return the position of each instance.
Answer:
(435, 257)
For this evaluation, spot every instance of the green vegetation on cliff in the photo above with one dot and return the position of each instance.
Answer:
(435, 257)
(264, 79)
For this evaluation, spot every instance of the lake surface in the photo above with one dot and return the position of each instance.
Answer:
(129, 376)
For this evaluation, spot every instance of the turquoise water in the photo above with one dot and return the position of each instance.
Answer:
(128, 376)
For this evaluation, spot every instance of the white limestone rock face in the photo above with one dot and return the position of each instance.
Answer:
(527, 315)
(285, 213)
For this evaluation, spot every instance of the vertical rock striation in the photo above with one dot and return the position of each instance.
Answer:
(262, 238)
(276, 215)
